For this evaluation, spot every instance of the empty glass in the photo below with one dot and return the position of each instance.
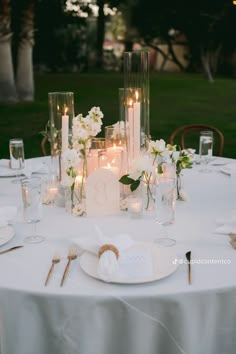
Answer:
(17, 156)
(205, 149)
(165, 198)
(31, 194)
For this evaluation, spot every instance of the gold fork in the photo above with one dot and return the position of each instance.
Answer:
(73, 253)
(55, 260)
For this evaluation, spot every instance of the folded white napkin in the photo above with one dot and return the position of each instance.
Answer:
(227, 225)
(7, 215)
(129, 262)
(230, 169)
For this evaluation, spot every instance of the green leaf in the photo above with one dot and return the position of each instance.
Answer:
(134, 185)
(126, 180)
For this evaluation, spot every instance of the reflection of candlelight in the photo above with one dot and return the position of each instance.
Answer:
(78, 181)
(52, 191)
(112, 168)
(135, 206)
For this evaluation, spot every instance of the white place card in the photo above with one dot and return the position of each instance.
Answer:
(102, 193)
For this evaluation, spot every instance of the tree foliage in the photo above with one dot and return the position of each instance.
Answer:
(207, 26)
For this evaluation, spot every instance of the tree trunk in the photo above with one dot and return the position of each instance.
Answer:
(215, 55)
(7, 83)
(205, 59)
(100, 33)
(24, 73)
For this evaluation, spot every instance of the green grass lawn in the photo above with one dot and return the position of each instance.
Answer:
(175, 99)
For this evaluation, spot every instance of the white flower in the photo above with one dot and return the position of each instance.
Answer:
(175, 155)
(158, 147)
(96, 113)
(79, 209)
(84, 128)
(70, 158)
(142, 164)
(189, 152)
(67, 181)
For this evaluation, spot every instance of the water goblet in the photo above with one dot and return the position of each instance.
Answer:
(205, 149)
(16, 149)
(31, 195)
(165, 198)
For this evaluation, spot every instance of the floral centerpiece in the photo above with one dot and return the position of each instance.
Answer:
(152, 161)
(83, 129)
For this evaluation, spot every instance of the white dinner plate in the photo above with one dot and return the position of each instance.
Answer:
(163, 261)
(6, 234)
(229, 169)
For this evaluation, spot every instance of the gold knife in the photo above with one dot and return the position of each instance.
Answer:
(188, 257)
(11, 249)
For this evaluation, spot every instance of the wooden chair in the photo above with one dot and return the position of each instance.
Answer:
(44, 141)
(186, 130)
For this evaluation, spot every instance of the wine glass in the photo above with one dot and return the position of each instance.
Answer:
(165, 198)
(31, 194)
(16, 149)
(205, 149)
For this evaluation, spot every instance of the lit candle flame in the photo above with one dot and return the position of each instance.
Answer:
(130, 103)
(65, 109)
(136, 96)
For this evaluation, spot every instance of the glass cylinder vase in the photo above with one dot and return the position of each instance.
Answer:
(136, 85)
(61, 113)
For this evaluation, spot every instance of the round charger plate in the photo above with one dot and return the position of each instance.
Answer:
(163, 264)
(6, 234)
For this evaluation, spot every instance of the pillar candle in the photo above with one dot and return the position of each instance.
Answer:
(64, 131)
(131, 129)
(136, 126)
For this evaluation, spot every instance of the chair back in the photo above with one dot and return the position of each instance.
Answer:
(186, 130)
(43, 145)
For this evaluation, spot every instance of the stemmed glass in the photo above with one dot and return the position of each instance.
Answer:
(205, 149)
(17, 156)
(165, 199)
(31, 194)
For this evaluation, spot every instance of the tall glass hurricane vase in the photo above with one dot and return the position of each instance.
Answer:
(61, 112)
(136, 85)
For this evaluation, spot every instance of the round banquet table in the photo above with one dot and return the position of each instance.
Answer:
(89, 316)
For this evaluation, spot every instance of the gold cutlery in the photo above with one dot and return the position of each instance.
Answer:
(73, 254)
(55, 260)
(11, 249)
(188, 257)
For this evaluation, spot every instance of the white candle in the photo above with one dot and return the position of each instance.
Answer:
(64, 131)
(136, 126)
(131, 129)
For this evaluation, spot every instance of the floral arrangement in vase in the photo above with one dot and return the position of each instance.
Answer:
(144, 168)
(83, 129)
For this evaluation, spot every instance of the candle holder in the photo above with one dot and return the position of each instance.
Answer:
(97, 144)
(136, 91)
(61, 113)
(135, 207)
(111, 159)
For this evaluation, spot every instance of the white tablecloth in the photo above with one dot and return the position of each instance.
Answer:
(88, 316)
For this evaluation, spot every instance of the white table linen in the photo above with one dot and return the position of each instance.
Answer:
(88, 316)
